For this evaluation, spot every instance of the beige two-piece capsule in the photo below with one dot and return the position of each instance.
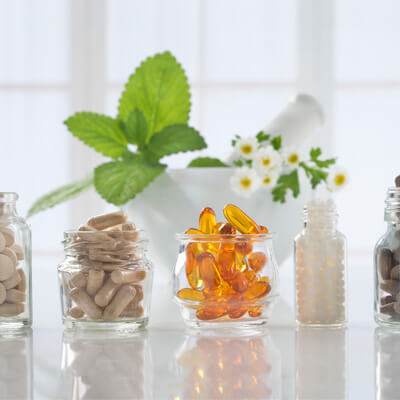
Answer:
(85, 302)
(106, 293)
(127, 276)
(107, 220)
(95, 281)
(6, 267)
(78, 280)
(76, 312)
(123, 297)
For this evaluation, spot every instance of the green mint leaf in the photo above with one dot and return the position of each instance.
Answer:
(206, 162)
(286, 182)
(159, 88)
(175, 139)
(238, 163)
(120, 181)
(102, 133)
(314, 156)
(60, 195)
(276, 142)
(315, 175)
(262, 137)
(136, 128)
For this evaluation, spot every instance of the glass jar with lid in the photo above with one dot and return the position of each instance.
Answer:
(105, 280)
(15, 266)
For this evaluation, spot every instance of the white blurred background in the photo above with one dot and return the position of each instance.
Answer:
(244, 59)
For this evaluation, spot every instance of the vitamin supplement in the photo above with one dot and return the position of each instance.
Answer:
(257, 260)
(191, 295)
(10, 254)
(244, 247)
(2, 242)
(8, 235)
(207, 221)
(22, 283)
(104, 221)
(123, 297)
(2, 293)
(211, 312)
(11, 310)
(208, 271)
(7, 267)
(226, 229)
(257, 290)
(76, 312)
(263, 229)
(15, 296)
(121, 276)
(85, 302)
(192, 267)
(106, 293)
(242, 222)
(18, 251)
(95, 281)
(78, 280)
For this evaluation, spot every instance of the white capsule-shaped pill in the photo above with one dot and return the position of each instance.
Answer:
(11, 254)
(11, 310)
(122, 298)
(127, 276)
(15, 296)
(95, 281)
(76, 312)
(78, 280)
(107, 220)
(85, 302)
(3, 293)
(6, 267)
(8, 235)
(13, 281)
(22, 283)
(106, 293)
(2, 242)
(18, 251)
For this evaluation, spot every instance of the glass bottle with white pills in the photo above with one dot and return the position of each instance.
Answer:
(15, 266)
(320, 267)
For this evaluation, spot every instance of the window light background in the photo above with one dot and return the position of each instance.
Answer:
(244, 59)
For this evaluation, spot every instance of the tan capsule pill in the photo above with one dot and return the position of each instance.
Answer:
(91, 234)
(13, 281)
(15, 296)
(6, 267)
(3, 293)
(85, 302)
(78, 280)
(2, 242)
(95, 281)
(11, 254)
(106, 293)
(134, 313)
(125, 276)
(123, 297)
(110, 267)
(107, 220)
(22, 283)
(18, 251)
(139, 293)
(98, 255)
(8, 236)
(76, 312)
(11, 310)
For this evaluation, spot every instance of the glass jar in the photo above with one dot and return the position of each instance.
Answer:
(105, 280)
(225, 280)
(320, 267)
(387, 264)
(15, 266)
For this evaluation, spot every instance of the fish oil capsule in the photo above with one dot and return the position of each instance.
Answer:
(239, 283)
(13, 281)
(263, 229)
(122, 276)
(15, 296)
(240, 221)
(78, 280)
(193, 231)
(122, 298)
(227, 229)
(8, 235)
(190, 294)
(207, 220)
(208, 270)
(11, 254)
(11, 310)
(6, 267)
(255, 311)
(85, 302)
(76, 312)
(244, 247)
(106, 293)
(192, 267)
(3, 293)
(95, 281)
(257, 290)
(257, 260)
(226, 264)
(104, 221)
(241, 262)
(235, 307)
(212, 311)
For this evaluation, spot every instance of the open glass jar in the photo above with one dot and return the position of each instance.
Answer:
(105, 280)
(225, 280)
(15, 265)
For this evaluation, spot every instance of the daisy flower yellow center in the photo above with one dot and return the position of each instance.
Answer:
(266, 162)
(245, 182)
(340, 180)
(247, 149)
(293, 158)
(267, 180)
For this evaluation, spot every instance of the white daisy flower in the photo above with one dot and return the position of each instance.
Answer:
(267, 159)
(245, 181)
(269, 180)
(246, 147)
(291, 157)
(337, 178)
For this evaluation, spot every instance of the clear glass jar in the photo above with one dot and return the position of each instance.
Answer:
(105, 280)
(320, 267)
(105, 365)
(15, 266)
(225, 280)
(16, 364)
(387, 264)
(228, 367)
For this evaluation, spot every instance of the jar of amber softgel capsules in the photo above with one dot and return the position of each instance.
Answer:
(106, 278)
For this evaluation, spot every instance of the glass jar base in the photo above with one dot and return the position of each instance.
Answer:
(387, 322)
(333, 325)
(126, 325)
(13, 323)
(240, 324)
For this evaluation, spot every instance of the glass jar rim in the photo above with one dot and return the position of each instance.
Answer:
(71, 233)
(6, 197)
(207, 237)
